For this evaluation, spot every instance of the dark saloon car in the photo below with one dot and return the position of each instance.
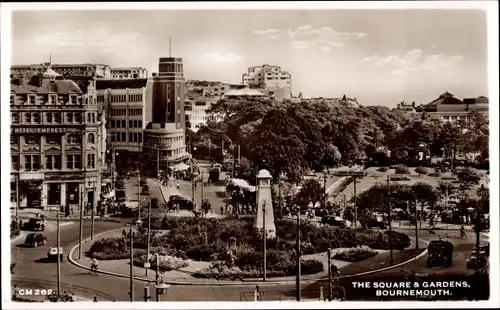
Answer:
(35, 225)
(334, 221)
(143, 182)
(440, 253)
(182, 201)
(35, 239)
(371, 223)
(154, 203)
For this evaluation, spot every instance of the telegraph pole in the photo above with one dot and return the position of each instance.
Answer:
(81, 223)
(416, 221)
(297, 281)
(113, 169)
(389, 217)
(131, 265)
(149, 236)
(17, 199)
(264, 237)
(93, 214)
(329, 274)
(59, 253)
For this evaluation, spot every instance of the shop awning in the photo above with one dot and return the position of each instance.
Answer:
(179, 167)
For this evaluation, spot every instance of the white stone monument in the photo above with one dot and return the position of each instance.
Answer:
(265, 204)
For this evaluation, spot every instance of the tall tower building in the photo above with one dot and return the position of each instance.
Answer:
(168, 88)
(164, 142)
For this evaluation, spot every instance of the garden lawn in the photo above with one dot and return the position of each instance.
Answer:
(381, 260)
(374, 177)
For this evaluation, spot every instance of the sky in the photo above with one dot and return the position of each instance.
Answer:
(381, 57)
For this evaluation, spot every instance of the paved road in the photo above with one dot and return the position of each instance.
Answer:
(31, 264)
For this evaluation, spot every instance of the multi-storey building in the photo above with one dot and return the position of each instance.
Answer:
(197, 104)
(216, 89)
(451, 109)
(56, 143)
(271, 80)
(128, 73)
(66, 70)
(164, 135)
(124, 102)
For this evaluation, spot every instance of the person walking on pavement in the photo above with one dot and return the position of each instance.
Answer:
(95, 298)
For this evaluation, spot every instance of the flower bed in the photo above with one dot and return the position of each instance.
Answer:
(212, 240)
(402, 169)
(166, 262)
(219, 269)
(355, 254)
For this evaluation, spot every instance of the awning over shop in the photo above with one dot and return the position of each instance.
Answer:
(32, 176)
(110, 194)
(179, 167)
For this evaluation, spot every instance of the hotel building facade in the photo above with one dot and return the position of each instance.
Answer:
(57, 146)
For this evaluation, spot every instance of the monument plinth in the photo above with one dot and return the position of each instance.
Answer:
(265, 204)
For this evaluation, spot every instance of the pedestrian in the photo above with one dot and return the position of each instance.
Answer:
(221, 210)
(72, 297)
(177, 184)
(95, 298)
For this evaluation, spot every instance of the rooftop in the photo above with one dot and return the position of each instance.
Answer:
(48, 86)
(244, 92)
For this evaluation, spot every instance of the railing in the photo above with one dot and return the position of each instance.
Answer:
(64, 286)
(282, 295)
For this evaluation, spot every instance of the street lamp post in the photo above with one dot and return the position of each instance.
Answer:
(264, 237)
(389, 217)
(161, 289)
(131, 276)
(297, 280)
(149, 240)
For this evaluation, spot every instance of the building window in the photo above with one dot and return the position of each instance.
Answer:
(73, 161)
(54, 194)
(69, 117)
(93, 118)
(124, 124)
(36, 118)
(49, 118)
(88, 118)
(13, 139)
(73, 139)
(124, 137)
(52, 140)
(72, 99)
(27, 117)
(139, 123)
(15, 162)
(130, 137)
(15, 118)
(31, 139)
(113, 137)
(90, 160)
(53, 162)
(112, 124)
(130, 124)
(91, 138)
(57, 118)
(31, 162)
(78, 117)
(31, 99)
(52, 99)
(12, 99)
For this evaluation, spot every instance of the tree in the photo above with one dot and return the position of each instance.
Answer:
(421, 171)
(425, 194)
(246, 171)
(311, 192)
(333, 155)
(468, 177)
(451, 138)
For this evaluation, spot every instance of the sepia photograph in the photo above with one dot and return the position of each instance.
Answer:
(250, 152)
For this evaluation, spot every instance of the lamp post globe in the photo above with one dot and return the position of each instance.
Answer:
(161, 288)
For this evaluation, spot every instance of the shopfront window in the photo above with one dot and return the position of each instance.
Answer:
(54, 194)
(72, 193)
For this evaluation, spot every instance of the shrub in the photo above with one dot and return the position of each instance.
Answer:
(116, 254)
(167, 262)
(311, 266)
(400, 241)
(383, 169)
(421, 170)
(402, 169)
(356, 254)
(397, 177)
(435, 174)
(448, 178)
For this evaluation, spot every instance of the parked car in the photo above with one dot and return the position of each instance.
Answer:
(484, 249)
(184, 202)
(440, 253)
(35, 239)
(52, 254)
(143, 182)
(121, 195)
(335, 221)
(154, 203)
(120, 184)
(472, 262)
(145, 190)
(371, 223)
(35, 225)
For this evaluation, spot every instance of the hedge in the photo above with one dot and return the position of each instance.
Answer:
(355, 254)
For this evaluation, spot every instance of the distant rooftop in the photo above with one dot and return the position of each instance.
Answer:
(48, 86)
